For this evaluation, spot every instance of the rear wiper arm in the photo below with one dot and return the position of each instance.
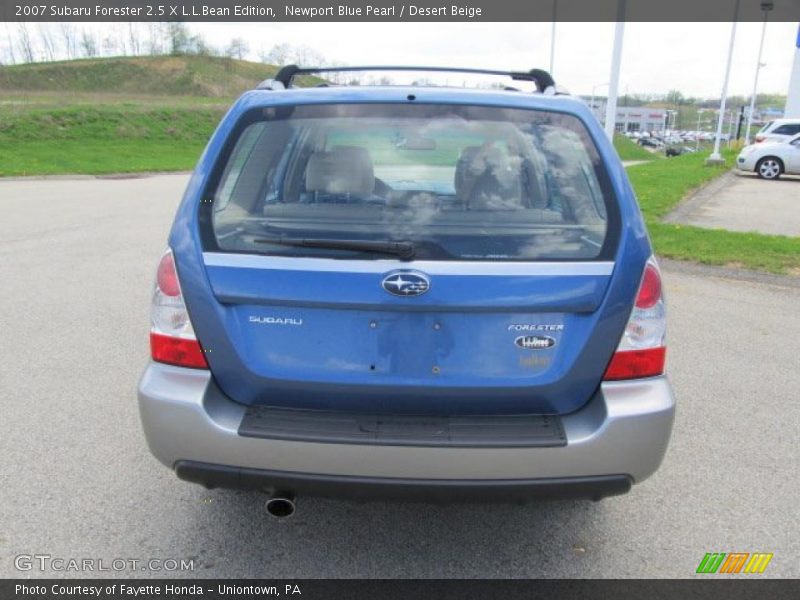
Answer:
(404, 250)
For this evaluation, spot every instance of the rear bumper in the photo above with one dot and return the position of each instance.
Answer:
(388, 488)
(619, 437)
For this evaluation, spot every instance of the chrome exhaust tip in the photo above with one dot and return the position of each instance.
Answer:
(280, 507)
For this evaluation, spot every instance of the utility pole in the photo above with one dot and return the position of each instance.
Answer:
(716, 157)
(741, 121)
(697, 131)
(793, 97)
(616, 58)
(766, 7)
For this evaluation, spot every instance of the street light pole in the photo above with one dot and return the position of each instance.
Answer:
(766, 7)
(697, 131)
(730, 128)
(716, 157)
(616, 58)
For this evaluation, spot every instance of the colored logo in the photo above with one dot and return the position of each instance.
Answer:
(734, 562)
(406, 283)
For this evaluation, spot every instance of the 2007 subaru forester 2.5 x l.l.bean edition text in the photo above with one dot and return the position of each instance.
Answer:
(409, 292)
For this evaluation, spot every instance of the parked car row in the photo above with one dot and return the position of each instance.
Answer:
(674, 136)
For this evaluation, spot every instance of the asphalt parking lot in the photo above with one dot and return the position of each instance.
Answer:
(742, 202)
(77, 260)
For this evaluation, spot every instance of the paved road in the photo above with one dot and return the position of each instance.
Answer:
(76, 264)
(743, 202)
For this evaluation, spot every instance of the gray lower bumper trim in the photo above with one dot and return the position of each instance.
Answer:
(624, 429)
(526, 431)
(274, 482)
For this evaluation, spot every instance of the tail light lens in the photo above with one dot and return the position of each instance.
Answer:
(760, 138)
(172, 338)
(642, 350)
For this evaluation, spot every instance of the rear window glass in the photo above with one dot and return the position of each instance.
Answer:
(453, 182)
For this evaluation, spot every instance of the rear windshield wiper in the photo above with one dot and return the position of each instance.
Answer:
(404, 250)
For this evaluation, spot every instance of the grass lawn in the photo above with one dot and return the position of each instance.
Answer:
(661, 185)
(630, 150)
(92, 156)
(104, 139)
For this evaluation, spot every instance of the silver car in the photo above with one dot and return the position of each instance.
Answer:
(770, 160)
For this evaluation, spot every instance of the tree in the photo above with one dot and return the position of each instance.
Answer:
(197, 45)
(238, 48)
(178, 36)
(88, 44)
(69, 40)
(25, 43)
(308, 57)
(111, 45)
(134, 41)
(47, 42)
(11, 54)
(156, 32)
(279, 54)
(675, 97)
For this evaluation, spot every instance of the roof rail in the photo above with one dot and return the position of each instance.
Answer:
(283, 79)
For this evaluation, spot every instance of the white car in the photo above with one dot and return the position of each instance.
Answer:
(769, 160)
(779, 130)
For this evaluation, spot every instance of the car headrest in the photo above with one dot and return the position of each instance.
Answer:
(466, 172)
(486, 174)
(342, 170)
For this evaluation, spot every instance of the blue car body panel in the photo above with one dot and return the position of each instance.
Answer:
(449, 351)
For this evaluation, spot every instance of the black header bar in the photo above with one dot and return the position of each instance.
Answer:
(747, 587)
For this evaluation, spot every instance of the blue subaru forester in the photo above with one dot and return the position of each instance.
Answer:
(408, 292)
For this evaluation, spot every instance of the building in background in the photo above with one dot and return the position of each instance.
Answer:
(633, 118)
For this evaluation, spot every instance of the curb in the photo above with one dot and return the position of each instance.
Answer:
(690, 268)
(68, 177)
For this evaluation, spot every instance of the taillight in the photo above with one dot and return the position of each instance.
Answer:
(177, 351)
(650, 288)
(167, 276)
(172, 338)
(642, 350)
(760, 138)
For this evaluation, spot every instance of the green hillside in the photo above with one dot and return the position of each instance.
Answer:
(107, 138)
(198, 76)
(117, 115)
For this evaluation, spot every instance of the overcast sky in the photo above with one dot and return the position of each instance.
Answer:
(657, 57)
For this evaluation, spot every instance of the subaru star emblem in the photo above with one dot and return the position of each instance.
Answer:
(406, 283)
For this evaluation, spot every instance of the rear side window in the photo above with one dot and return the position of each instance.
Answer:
(456, 182)
(790, 129)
